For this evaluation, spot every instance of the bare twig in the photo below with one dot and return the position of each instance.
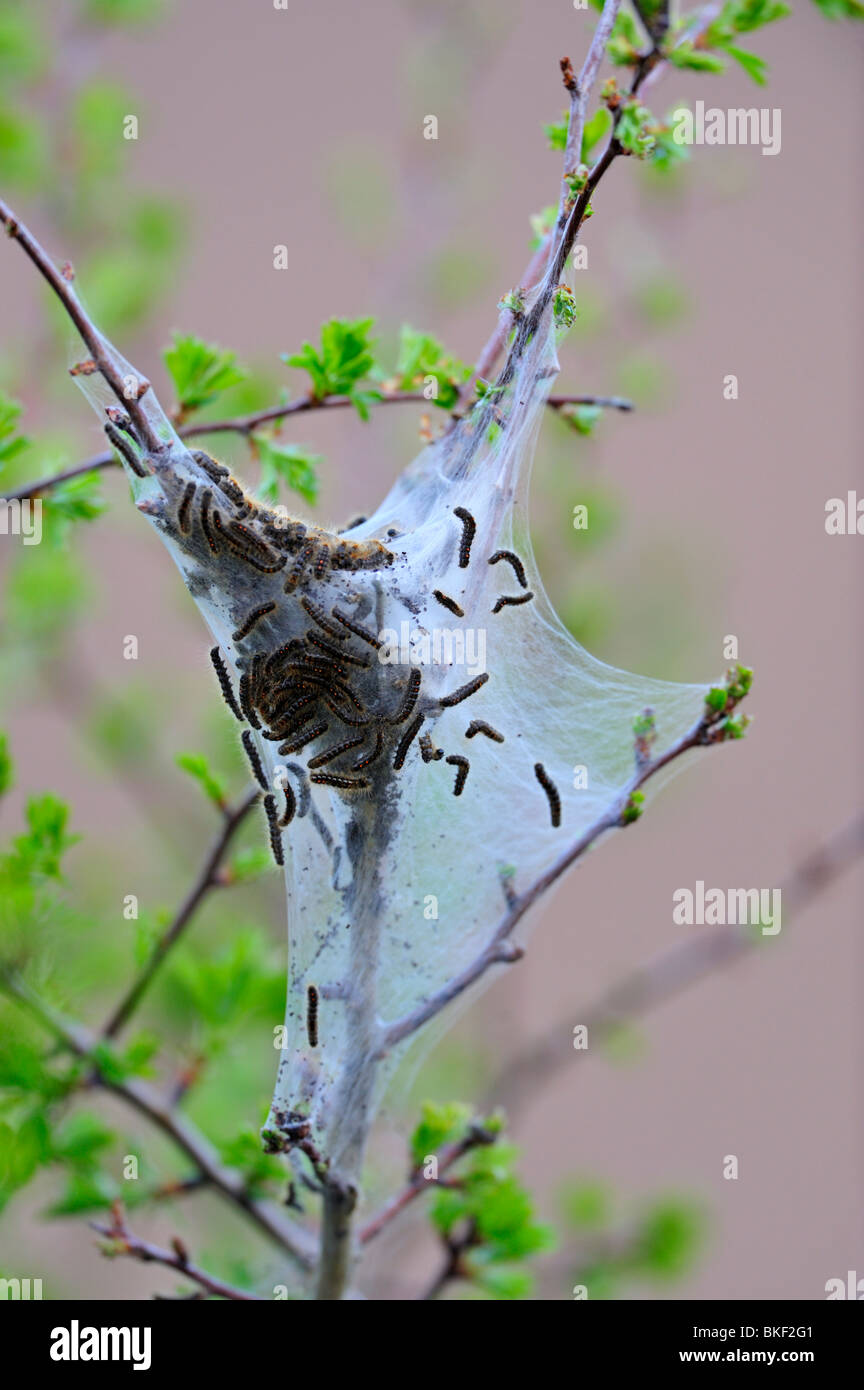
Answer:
(672, 971)
(207, 879)
(123, 1242)
(417, 1183)
(147, 1101)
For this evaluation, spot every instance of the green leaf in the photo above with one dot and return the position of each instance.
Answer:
(684, 55)
(841, 9)
(84, 1191)
(420, 357)
(200, 371)
(343, 359)
(198, 767)
(79, 499)
(24, 160)
(11, 443)
(632, 129)
(245, 1153)
(120, 12)
(668, 1239)
(439, 1125)
(41, 849)
(80, 1140)
(594, 130)
(23, 48)
(754, 66)
(23, 1149)
(97, 129)
(588, 1205)
(556, 132)
(291, 464)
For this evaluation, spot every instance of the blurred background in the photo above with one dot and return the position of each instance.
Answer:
(304, 128)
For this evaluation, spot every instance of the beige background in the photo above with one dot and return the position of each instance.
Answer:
(305, 128)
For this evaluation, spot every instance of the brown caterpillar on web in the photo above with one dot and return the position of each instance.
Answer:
(469, 528)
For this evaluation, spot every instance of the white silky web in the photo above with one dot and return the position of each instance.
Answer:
(392, 895)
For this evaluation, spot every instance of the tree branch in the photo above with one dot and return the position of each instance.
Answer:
(417, 1183)
(499, 950)
(207, 879)
(147, 1101)
(673, 970)
(123, 1242)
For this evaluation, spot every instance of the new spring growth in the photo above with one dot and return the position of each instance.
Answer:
(514, 300)
(722, 700)
(633, 809)
(564, 307)
(645, 736)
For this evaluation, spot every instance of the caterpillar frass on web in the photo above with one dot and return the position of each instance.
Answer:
(357, 629)
(225, 682)
(469, 528)
(185, 505)
(447, 701)
(254, 617)
(254, 761)
(406, 740)
(409, 699)
(511, 601)
(449, 603)
(551, 791)
(479, 726)
(273, 825)
(312, 1016)
(463, 767)
(514, 561)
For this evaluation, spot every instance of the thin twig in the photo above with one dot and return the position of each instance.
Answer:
(499, 949)
(417, 1183)
(673, 970)
(124, 1242)
(147, 1101)
(207, 879)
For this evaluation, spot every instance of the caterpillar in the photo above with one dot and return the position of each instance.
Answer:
(409, 699)
(296, 572)
(406, 740)
(358, 630)
(518, 567)
(333, 779)
(183, 509)
(290, 804)
(124, 448)
(312, 1016)
(479, 726)
(334, 653)
(507, 599)
(428, 753)
(225, 683)
(469, 527)
(463, 767)
(370, 757)
(330, 754)
(273, 823)
(294, 745)
(254, 617)
(551, 791)
(246, 554)
(214, 470)
(243, 535)
(449, 603)
(245, 700)
(464, 691)
(320, 617)
(254, 761)
(351, 720)
(206, 499)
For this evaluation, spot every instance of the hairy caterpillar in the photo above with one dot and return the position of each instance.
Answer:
(330, 754)
(409, 699)
(344, 783)
(124, 448)
(334, 653)
(518, 567)
(307, 736)
(225, 682)
(464, 691)
(245, 700)
(428, 753)
(320, 617)
(273, 823)
(469, 527)
(463, 767)
(509, 600)
(406, 740)
(183, 509)
(254, 760)
(479, 726)
(370, 757)
(206, 499)
(358, 630)
(551, 791)
(254, 617)
(449, 603)
(312, 1016)
(290, 804)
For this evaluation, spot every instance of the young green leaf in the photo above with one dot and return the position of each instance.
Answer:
(291, 464)
(200, 371)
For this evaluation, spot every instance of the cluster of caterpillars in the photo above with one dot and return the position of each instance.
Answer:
(428, 751)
